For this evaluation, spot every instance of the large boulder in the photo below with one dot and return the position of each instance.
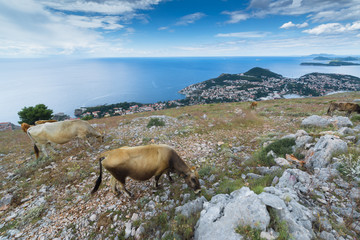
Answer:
(320, 156)
(297, 217)
(191, 207)
(340, 121)
(221, 216)
(315, 121)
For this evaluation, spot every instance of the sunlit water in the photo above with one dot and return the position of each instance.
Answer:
(66, 84)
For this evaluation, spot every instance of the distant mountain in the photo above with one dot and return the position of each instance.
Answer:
(261, 72)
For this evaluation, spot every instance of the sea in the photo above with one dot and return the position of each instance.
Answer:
(64, 84)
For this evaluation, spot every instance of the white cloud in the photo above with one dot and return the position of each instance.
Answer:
(317, 10)
(189, 19)
(288, 25)
(29, 29)
(243, 34)
(276, 47)
(291, 25)
(333, 28)
(163, 28)
(103, 7)
(104, 22)
(236, 16)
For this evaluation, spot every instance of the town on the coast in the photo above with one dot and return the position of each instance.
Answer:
(254, 85)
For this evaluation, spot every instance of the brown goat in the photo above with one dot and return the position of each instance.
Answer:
(253, 105)
(143, 162)
(348, 107)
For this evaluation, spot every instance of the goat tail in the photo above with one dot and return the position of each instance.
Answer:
(98, 181)
(36, 150)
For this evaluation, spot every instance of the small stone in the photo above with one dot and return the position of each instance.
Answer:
(92, 217)
(127, 230)
(266, 235)
(281, 161)
(12, 216)
(135, 217)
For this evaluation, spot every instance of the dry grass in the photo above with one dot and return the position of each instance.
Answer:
(234, 124)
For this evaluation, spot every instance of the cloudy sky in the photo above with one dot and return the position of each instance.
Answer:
(152, 28)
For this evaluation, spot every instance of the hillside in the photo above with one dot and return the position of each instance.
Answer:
(262, 84)
(227, 142)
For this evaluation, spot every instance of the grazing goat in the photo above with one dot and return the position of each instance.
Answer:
(25, 126)
(348, 107)
(143, 162)
(253, 105)
(60, 133)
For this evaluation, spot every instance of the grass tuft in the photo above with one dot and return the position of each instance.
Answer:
(157, 122)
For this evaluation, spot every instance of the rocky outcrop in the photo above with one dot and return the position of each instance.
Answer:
(297, 198)
(224, 213)
(325, 148)
(318, 121)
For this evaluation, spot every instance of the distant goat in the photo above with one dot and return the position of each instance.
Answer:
(60, 133)
(348, 107)
(143, 162)
(253, 105)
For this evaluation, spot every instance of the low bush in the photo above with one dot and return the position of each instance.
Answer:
(350, 166)
(248, 232)
(280, 147)
(228, 186)
(279, 226)
(157, 122)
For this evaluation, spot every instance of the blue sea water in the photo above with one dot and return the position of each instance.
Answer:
(66, 84)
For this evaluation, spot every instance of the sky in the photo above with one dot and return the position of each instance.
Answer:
(169, 28)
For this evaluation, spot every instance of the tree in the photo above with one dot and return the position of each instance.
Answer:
(31, 114)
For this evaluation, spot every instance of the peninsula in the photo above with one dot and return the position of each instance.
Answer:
(255, 84)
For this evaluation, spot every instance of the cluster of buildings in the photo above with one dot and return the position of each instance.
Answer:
(265, 88)
(7, 126)
(118, 111)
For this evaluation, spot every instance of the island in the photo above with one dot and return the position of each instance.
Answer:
(331, 63)
(321, 58)
(254, 85)
(338, 61)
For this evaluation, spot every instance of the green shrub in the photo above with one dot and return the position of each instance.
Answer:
(32, 216)
(157, 122)
(228, 186)
(355, 118)
(206, 170)
(279, 226)
(280, 147)
(350, 166)
(258, 185)
(248, 232)
(88, 117)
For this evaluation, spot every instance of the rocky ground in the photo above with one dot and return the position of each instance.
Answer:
(243, 194)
